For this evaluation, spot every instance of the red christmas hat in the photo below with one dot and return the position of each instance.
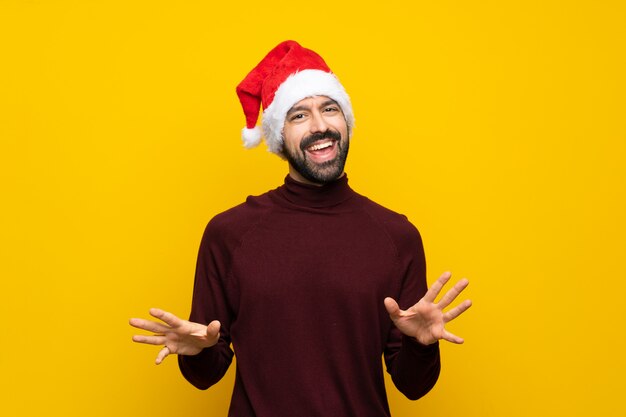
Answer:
(287, 74)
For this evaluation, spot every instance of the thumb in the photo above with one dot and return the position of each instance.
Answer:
(392, 307)
(213, 329)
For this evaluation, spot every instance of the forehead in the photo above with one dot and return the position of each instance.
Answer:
(311, 102)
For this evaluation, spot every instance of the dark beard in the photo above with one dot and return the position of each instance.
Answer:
(325, 172)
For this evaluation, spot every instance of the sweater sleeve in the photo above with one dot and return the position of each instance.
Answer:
(210, 302)
(414, 368)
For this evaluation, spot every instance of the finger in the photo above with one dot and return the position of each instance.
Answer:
(435, 289)
(452, 338)
(392, 308)
(453, 293)
(163, 353)
(213, 329)
(148, 325)
(456, 311)
(165, 316)
(150, 340)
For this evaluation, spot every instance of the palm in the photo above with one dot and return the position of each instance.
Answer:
(176, 335)
(426, 320)
(186, 338)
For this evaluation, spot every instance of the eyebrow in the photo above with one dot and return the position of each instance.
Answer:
(303, 107)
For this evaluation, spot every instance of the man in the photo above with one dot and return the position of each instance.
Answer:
(308, 280)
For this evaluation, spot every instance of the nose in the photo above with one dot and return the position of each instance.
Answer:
(318, 123)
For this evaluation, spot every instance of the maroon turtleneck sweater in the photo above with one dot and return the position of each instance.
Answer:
(297, 277)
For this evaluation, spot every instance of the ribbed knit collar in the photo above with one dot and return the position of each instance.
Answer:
(314, 196)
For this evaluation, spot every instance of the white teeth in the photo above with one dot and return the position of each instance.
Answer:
(321, 146)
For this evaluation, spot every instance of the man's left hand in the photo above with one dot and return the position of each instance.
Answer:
(426, 320)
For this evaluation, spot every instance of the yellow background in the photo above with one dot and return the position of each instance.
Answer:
(496, 126)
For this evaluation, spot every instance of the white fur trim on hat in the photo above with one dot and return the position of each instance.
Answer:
(251, 137)
(298, 86)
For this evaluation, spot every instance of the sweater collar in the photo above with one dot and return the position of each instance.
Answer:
(314, 196)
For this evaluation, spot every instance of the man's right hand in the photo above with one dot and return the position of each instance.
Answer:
(176, 335)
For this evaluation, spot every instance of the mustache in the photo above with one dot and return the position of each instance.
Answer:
(311, 139)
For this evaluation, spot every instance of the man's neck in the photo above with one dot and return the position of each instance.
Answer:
(295, 175)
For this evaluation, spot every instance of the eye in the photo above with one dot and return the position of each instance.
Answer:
(297, 116)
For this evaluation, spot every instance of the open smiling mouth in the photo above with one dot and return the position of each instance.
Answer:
(321, 150)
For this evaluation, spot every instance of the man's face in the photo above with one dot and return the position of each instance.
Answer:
(315, 140)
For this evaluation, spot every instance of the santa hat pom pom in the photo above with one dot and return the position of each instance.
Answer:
(251, 137)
